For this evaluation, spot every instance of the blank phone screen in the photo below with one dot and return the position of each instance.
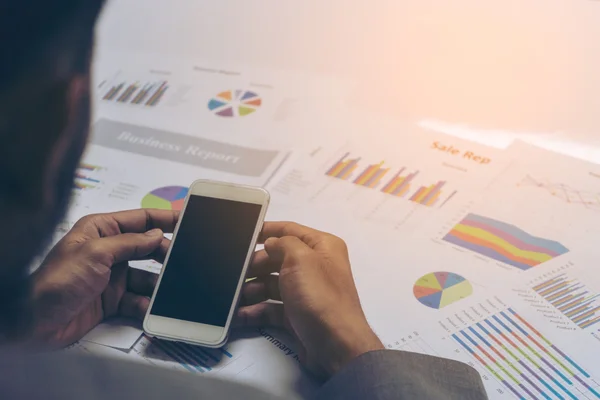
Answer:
(206, 260)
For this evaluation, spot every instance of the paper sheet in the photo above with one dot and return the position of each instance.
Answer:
(438, 301)
(395, 181)
(424, 297)
(458, 249)
(120, 333)
(544, 207)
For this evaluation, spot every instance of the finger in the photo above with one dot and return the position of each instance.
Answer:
(259, 315)
(133, 305)
(283, 228)
(261, 289)
(142, 220)
(141, 282)
(160, 253)
(131, 221)
(111, 297)
(310, 236)
(288, 248)
(262, 265)
(125, 247)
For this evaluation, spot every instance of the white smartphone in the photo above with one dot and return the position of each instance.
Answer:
(205, 267)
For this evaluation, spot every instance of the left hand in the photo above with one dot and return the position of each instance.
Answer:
(86, 277)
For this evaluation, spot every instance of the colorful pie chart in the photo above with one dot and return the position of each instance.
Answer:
(235, 103)
(166, 198)
(440, 289)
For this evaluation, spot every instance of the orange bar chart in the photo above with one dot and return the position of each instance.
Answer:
(142, 94)
(399, 185)
(371, 176)
(428, 196)
(113, 92)
(572, 298)
(343, 168)
(126, 95)
(155, 98)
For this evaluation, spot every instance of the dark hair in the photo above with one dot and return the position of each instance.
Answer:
(36, 34)
(43, 45)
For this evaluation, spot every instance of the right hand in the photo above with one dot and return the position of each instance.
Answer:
(320, 306)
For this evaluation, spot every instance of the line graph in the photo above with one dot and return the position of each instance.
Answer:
(587, 199)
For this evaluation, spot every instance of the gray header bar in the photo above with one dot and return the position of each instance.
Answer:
(180, 148)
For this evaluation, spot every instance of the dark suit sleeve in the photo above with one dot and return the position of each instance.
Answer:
(392, 374)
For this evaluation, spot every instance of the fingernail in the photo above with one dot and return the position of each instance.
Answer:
(154, 232)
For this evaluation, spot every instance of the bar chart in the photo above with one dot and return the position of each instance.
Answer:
(86, 177)
(572, 298)
(344, 168)
(371, 176)
(428, 196)
(400, 185)
(193, 359)
(137, 93)
(519, 356)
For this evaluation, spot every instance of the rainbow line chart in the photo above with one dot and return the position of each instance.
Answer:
(572, 298)
(503, 242)
(399, 185)
(528, 364)
(587, 199)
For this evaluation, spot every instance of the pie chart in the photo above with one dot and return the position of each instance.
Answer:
(440, 289)
(235, 103)
(166, 198)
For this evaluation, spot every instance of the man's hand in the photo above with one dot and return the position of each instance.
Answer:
(86, 277)
(320, 307)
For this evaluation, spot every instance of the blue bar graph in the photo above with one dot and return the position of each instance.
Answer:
(168, 350)
(228, 354)
(191, 354)
(192, 358)
(523, 360)
(511, 345)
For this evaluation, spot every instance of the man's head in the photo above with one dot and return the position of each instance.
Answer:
(46, 48)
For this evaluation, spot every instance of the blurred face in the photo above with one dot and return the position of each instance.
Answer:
(68, 155)
(35, 227)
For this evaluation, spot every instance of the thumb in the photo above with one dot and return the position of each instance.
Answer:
(128, 246)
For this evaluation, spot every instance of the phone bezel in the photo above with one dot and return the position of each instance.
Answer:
(194, 332)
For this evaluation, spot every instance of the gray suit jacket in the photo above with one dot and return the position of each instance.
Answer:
(377, 375)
